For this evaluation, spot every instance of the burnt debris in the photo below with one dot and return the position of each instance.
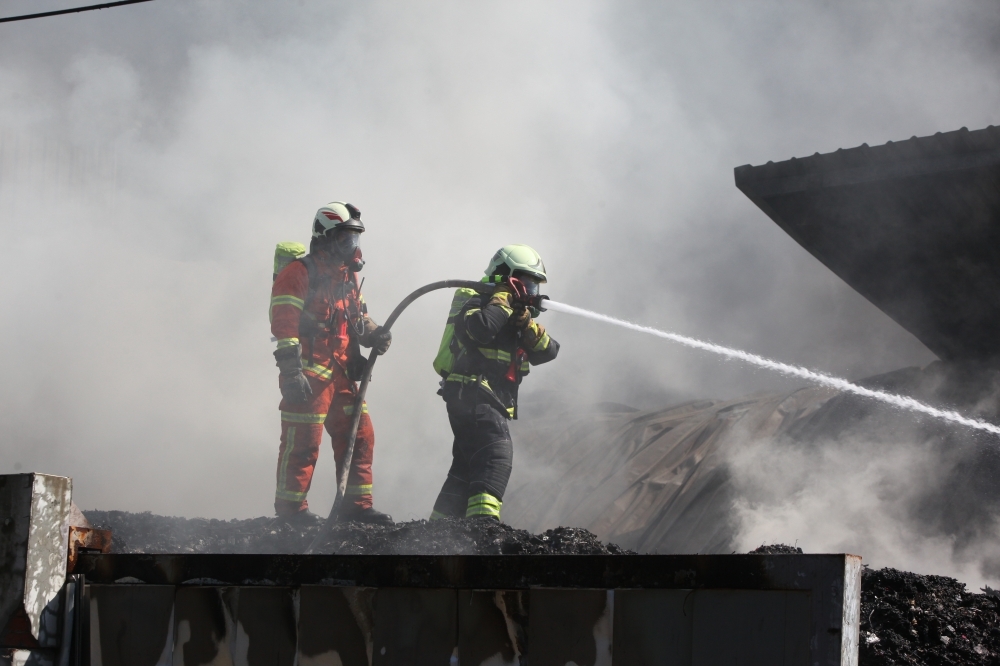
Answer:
(907, 618)
(776, 549)
(149, 533)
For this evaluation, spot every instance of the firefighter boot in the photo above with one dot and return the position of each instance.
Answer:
(302, 519)
(355, 513)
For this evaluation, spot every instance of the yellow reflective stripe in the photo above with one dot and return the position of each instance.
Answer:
(483, 504)
(525, 366)
(467, 379)
(485, 498)
(543, 342)
(510, 412)
(495, 354)
(287, 342)
(437, 515)
(349, 409)
(288, 300)
(471, 311)
(284, 300)
(359, 490)
(317, 370)
(294, 417)
(281, 492)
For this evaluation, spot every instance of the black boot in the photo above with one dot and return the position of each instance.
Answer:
(354, 513)
(303, 519)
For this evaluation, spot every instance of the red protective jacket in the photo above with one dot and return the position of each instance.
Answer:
(324, 325)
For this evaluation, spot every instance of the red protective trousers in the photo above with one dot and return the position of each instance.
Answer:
(332, 406)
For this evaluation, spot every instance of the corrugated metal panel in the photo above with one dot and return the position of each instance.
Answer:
(913, 226)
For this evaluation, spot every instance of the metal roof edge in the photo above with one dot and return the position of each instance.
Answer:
(941, 151)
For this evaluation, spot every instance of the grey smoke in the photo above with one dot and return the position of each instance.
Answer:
(151, 156)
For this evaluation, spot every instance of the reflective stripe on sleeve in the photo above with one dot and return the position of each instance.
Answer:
(543, 343)
(294, 417)
(294, 301)
(349, 409)
(287, 342)
(483, 504)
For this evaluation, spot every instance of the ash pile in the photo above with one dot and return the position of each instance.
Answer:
(907, 618)
(149, 533)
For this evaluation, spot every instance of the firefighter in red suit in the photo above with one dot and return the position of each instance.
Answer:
(320, 321)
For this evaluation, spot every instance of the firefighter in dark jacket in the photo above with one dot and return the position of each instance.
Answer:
(489, 345)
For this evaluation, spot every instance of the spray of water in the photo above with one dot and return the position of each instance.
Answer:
(900, 401)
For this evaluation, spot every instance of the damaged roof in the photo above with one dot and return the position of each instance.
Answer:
(913, 226)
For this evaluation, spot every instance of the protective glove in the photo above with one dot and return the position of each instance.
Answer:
(521, 317)
(375, 337)
(532, 333)
(293, 384)
(501, 296)
(380, 340)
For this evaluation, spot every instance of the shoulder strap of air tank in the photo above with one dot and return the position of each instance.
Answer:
(310, 265)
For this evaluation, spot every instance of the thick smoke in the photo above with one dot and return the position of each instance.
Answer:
(903, 492)
(151, 156)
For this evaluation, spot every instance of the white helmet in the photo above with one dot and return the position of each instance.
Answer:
(336, 215)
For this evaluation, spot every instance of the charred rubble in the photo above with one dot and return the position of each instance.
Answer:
(149, 533)
(776, 549)
(907, 618)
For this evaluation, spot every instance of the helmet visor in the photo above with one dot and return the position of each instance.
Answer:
(347, 241)
(531, 283)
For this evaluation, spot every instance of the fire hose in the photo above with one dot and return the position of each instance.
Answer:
(345, 467)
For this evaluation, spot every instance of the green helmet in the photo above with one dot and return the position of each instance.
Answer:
(517, 258)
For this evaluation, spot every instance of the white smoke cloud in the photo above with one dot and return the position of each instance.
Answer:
(864, 496)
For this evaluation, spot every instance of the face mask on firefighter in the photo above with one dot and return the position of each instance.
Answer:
(347, 242)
